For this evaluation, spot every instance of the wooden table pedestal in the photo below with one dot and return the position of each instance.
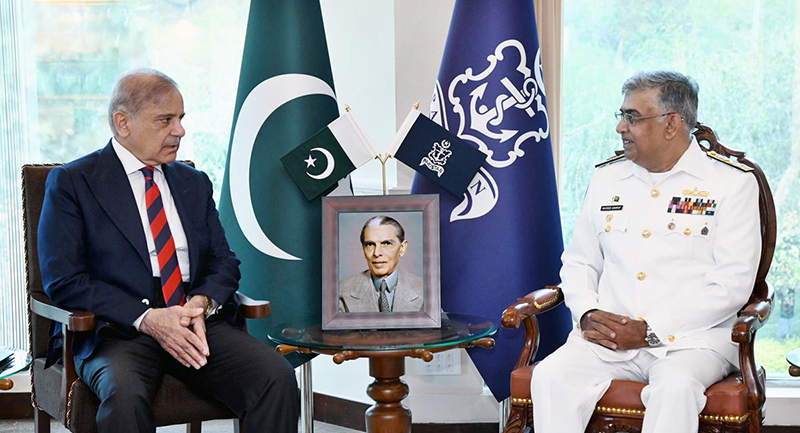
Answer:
(388, 414)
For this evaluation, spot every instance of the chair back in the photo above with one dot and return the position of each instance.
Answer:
(33, 182)
(34, 177)
(766, 209)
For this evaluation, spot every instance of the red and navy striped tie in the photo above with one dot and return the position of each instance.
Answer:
(171, 283)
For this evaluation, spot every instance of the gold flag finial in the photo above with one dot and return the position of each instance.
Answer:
(346, 108)
(416, 106)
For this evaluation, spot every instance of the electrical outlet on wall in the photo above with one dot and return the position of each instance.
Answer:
(443, 363)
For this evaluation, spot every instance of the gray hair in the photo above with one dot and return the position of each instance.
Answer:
(676, 92)
(382, 220)
(135, 89)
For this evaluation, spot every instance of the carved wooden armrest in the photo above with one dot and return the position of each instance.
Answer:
(538, 301)
(74, 320)
(251, 308)
(752, 317)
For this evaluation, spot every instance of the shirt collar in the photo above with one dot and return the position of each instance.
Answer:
(391, 282)
(691, 162)
(130, 163)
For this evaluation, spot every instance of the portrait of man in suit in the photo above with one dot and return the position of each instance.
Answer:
(382, 287)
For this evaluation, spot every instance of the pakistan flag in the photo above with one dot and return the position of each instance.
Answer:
(285, 95)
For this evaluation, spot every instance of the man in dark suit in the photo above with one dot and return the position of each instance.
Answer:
(134, 237)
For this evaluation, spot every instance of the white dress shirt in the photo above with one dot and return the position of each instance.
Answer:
(133, 169)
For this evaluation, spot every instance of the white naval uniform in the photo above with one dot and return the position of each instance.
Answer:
(686, 274)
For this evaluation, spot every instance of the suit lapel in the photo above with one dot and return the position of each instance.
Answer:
(402, 296)
(364, 293)
(188, 208)
(109, 184)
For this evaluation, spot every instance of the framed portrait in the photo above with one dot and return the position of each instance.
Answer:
(380, 262)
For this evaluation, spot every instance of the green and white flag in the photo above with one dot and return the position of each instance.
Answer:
(329, 155)
(285, 95)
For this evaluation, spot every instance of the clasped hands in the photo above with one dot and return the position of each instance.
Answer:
(181, 331)
(613, 331)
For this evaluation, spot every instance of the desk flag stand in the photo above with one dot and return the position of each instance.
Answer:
(385, 157)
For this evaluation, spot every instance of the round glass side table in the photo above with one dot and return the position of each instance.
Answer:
(386, 350)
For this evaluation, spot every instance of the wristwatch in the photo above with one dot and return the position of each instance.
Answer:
(651, 338)
(210, 305)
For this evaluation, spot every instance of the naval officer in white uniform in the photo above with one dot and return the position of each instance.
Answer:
(663, 255)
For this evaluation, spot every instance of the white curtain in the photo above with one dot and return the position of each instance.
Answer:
(15, 114)
(549, 26)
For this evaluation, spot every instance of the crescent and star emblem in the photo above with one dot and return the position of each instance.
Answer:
(328, 170)
(260, 103)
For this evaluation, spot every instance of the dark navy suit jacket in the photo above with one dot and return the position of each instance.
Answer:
(93, 252)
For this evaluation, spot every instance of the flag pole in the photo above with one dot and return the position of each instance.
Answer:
(384, 158)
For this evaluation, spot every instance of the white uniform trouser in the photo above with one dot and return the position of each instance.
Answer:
(567, 385)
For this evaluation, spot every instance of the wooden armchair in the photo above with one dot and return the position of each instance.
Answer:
(56, 391)
(735, 404)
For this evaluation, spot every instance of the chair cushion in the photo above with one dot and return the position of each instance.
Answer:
(726, 397)
(521, 382)
(47, 388)
(194, 407)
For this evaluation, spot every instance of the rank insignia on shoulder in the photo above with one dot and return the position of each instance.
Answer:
(698, 206)
(611, 160)
(734, 164)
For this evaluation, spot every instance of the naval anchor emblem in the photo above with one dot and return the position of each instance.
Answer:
(437, 157)
(499, 106)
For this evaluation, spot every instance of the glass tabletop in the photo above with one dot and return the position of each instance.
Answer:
(20, 360)
(794, 357)
(455, 329)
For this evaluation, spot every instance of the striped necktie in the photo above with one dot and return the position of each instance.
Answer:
(171, 283)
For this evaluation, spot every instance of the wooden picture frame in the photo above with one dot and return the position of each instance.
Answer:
(343, 220)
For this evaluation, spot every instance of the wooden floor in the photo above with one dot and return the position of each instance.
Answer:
(220, 426)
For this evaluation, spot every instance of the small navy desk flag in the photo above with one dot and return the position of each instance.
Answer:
(502, 238)
(436, 153)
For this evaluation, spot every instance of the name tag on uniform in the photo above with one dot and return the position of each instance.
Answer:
(610, 207)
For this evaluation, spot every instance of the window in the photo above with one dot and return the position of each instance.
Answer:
(63, 60)
(81, 48)
(67, 55)
(745, 57)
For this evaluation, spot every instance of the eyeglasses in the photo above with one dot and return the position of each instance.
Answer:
(631, 120)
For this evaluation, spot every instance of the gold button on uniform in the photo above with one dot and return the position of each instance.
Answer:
(687, 231)
(641, 276)
(645, 234)
(609, 217)
(654, 193)
(608, 229)
(671, 338)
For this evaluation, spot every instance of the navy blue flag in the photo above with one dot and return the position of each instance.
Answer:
(436, 153)
(502, 238)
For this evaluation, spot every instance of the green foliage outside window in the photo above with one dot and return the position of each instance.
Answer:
(745, 57)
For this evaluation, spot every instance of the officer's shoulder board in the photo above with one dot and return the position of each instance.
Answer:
(735, 164)
(610, 161)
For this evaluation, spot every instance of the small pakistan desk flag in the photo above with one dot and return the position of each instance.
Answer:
(329, 155)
